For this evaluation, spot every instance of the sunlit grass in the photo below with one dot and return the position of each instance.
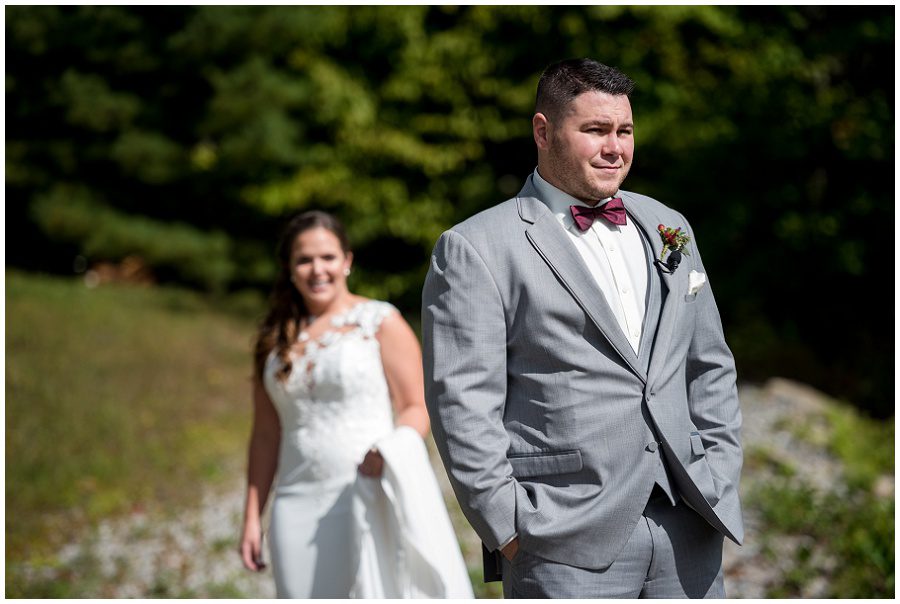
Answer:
(124, 398)
(117, 398)
(865, 446)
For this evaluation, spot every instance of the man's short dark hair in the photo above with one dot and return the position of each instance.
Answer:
(563, 81)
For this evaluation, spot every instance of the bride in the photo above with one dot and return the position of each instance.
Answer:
(330, 367)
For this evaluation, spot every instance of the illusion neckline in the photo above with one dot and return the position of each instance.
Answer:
(337, 320)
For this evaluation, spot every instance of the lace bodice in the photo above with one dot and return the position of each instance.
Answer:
(335, 402)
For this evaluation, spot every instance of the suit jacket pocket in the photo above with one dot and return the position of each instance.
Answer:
(697, 447)
(699, 470)
(690, 298)
(545, 463)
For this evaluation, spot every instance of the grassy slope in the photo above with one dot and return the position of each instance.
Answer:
(120, 398)
(116, 397)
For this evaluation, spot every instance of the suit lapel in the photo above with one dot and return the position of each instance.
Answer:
(551, 242)
(648, 221)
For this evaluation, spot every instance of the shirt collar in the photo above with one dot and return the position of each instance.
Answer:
(559, 201)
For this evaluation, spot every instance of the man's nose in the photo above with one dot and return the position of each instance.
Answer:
(611, 145)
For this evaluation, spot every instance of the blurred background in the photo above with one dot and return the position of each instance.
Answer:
(153, 152)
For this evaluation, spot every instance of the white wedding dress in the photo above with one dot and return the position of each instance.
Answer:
(333, 407)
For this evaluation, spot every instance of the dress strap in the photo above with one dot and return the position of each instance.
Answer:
(368, 315)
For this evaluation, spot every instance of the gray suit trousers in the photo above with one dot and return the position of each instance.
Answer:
(672, 553)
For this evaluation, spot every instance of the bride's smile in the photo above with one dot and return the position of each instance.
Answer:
(319, 269)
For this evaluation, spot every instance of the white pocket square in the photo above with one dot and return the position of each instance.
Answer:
(696, 281)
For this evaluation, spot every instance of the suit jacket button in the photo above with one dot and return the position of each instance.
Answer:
(652, 447)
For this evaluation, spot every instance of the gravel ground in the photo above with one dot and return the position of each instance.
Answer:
(193, 553)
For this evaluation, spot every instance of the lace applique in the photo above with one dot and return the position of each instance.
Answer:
(361, 320)
(335, 402)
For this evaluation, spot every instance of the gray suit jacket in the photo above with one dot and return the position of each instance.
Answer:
(546, 422)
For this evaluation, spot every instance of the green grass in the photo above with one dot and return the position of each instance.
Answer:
(758, 459)
(865, 446)
(856, 532)
(847, 535)
(122, 398)
(117, 398)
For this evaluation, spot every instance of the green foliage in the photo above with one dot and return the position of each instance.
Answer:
(769, 127)
(92, 105)
(849, 529)
(856, 531)
(115, 397)
(102, 233)
(865, 447)
(759, 459)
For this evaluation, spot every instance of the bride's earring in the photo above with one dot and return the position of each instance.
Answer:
(346, 272)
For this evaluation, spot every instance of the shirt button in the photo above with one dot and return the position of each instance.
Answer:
(624, 290)
(652, 447)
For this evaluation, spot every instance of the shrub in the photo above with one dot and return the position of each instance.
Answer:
(71, 214)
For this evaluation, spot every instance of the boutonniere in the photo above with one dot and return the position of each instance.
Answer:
(676, 241)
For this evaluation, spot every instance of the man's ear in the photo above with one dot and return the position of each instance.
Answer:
(540, 126)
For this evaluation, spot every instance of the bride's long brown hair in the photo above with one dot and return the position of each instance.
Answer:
(287, 312)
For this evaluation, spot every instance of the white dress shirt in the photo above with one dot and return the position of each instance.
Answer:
(614, 255)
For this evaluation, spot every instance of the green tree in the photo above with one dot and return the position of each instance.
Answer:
(771, 128)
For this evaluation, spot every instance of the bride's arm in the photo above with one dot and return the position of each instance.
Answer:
(401, 357)
(262, 463)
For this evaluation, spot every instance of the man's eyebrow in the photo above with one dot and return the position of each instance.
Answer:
(604, 122)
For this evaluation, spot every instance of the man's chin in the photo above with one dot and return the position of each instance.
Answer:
(601, 194)
(605, 189)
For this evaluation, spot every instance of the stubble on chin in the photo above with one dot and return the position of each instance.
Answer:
(609, 189)
(579, 182)
(593, 193)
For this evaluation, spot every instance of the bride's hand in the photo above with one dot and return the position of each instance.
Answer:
(372, 464)
(251, 547)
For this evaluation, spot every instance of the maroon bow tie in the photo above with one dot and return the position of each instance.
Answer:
(612, 210)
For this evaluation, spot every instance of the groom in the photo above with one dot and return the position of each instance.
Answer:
(581, 393)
